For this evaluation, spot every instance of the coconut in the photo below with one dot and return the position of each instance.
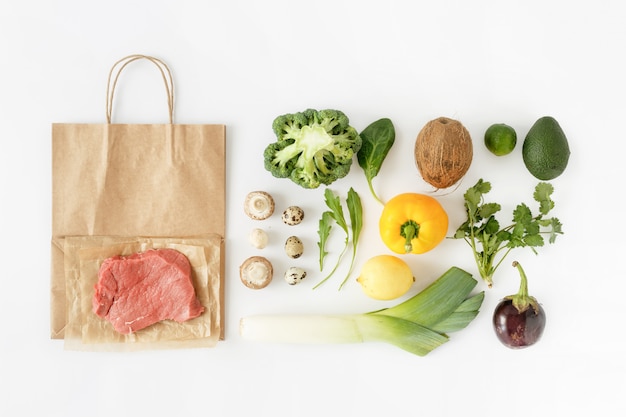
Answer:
(443, 152)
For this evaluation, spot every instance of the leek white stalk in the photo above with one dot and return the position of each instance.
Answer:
(307, 329)
(320, 329)
(418, 325)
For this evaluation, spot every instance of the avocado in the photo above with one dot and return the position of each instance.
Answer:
(545, 149)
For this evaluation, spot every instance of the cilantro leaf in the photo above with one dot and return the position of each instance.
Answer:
(489, 209)
(542, 194)
(532, 228)
(491, 226)
(522, 214)
(489, 242)
(533, 240)
(556, 229)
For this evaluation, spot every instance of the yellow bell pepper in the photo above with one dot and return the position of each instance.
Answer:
(413, 223)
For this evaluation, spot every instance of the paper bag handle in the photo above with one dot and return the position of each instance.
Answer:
(121, 64)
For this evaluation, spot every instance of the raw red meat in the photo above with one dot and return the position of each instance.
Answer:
(136, 291)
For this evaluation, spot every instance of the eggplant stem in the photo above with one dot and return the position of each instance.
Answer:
(521, 300)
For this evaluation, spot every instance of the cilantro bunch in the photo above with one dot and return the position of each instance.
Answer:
(491, 243)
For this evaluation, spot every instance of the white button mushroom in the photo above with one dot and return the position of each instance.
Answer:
(294, 275)
(293, 215)
(258, 238)
(256, 272)
(294, 247)
(259, 205)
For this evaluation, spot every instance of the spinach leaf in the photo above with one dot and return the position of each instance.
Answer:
(377, 140)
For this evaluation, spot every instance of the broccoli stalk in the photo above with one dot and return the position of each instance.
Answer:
(313, 147)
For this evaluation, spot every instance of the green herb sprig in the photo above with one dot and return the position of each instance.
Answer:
(336, 215)
(325, 226)
(355, 209)
(491, 244)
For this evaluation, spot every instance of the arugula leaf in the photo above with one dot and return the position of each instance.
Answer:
(356, 221)
(336, 214)
(491, 244)
(377, 139)
(325, 225)
(334, 204)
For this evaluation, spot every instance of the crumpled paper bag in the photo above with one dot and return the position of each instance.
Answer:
(86, 331)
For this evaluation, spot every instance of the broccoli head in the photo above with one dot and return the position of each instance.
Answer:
(313, 147)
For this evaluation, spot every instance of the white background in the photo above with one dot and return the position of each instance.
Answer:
(242, 63)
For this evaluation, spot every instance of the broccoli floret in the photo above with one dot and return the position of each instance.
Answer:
(313, 147)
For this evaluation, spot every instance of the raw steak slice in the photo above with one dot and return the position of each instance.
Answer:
(136, 291)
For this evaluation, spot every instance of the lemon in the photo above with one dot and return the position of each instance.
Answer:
(545, 149)
(500, 139)
(385, 277)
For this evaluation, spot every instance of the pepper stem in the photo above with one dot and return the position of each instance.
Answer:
(521, 300)
(409, 230)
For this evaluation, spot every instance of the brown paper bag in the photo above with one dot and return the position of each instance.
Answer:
(128, 182)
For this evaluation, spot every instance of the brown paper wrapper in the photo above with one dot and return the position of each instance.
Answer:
(86, 331)
(121, 188)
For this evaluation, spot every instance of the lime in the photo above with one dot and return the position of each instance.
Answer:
(500, 139)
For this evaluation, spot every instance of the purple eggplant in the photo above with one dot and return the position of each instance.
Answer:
(519, 320)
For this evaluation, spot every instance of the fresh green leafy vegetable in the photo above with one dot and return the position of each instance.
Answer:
(333, 202)
(377, 138)
(417, 325)
(325, 226)
(355, 209)
(336, 214)
(489, 242)
(312, 148)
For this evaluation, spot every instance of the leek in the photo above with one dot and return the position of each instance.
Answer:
(417, 325)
